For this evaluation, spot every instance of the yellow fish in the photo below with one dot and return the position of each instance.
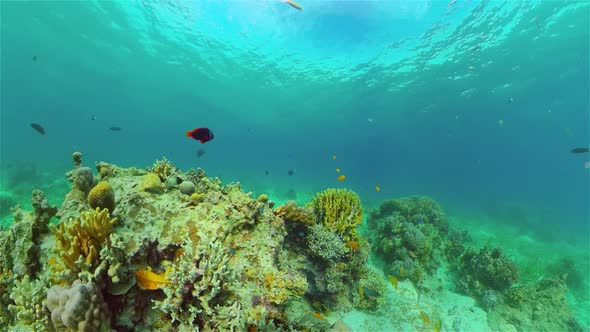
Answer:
(341, 177)
(437, 325)
(338, 170)
(471, 68)
(317, 315)
(334, 157)
(377, 188)
(402, 272)
(394, 281)
(293, 4)
(424, 317)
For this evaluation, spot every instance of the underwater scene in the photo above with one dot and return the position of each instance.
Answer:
(295, 165)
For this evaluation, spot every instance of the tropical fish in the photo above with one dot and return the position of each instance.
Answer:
(200, 153)
(318, 316)
(424, 317)
(341, 177)
(580, 150)
(291, 172)
(437, 325)
(370, 292)
(412, 254)
(151, 280)
(353, 245)
(34, 58)
(377, 188)
(38, 128)
(393, 281)
(402, 272)
(202, 135)
(471, 68)
(293, 4)
(337, 170)
(334, 157)
(115, 128)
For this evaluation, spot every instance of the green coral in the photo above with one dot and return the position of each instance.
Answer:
(339, 210)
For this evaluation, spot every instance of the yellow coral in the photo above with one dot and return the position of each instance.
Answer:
(291, 212)
(102, 196)
(281, 286)
(83, 237)
(339, 210)
(163, 168)
(151, 183)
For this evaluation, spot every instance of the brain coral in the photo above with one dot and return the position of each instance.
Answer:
(102, 196)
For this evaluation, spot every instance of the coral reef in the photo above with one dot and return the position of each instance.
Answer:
(408, 235)
(487, 269)
(214, 258)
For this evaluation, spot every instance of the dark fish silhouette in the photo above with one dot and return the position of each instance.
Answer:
(38, 128)
(202, 135)
(200, 153)
(115, 128)
(266, 172)
(34, 58)
(291, 172)
(580, 150)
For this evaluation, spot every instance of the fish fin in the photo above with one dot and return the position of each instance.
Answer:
(202, 141)
(189, 134)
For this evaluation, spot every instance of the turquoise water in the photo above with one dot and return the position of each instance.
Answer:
(475, 103)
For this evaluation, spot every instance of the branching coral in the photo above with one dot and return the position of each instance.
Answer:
(325, 244)
(29, 303)
(201, 275)
(82, 238)
(339, 210)
(163, 169)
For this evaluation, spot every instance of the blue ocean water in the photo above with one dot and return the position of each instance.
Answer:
(474, 103)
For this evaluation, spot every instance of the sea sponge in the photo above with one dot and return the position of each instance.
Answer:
(151, 183)
(83, 178)
(186, 187)
(102, 196)
(339, 210)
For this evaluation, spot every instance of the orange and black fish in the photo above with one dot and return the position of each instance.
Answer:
(38, 128)
(202, 135)
(580, 150)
